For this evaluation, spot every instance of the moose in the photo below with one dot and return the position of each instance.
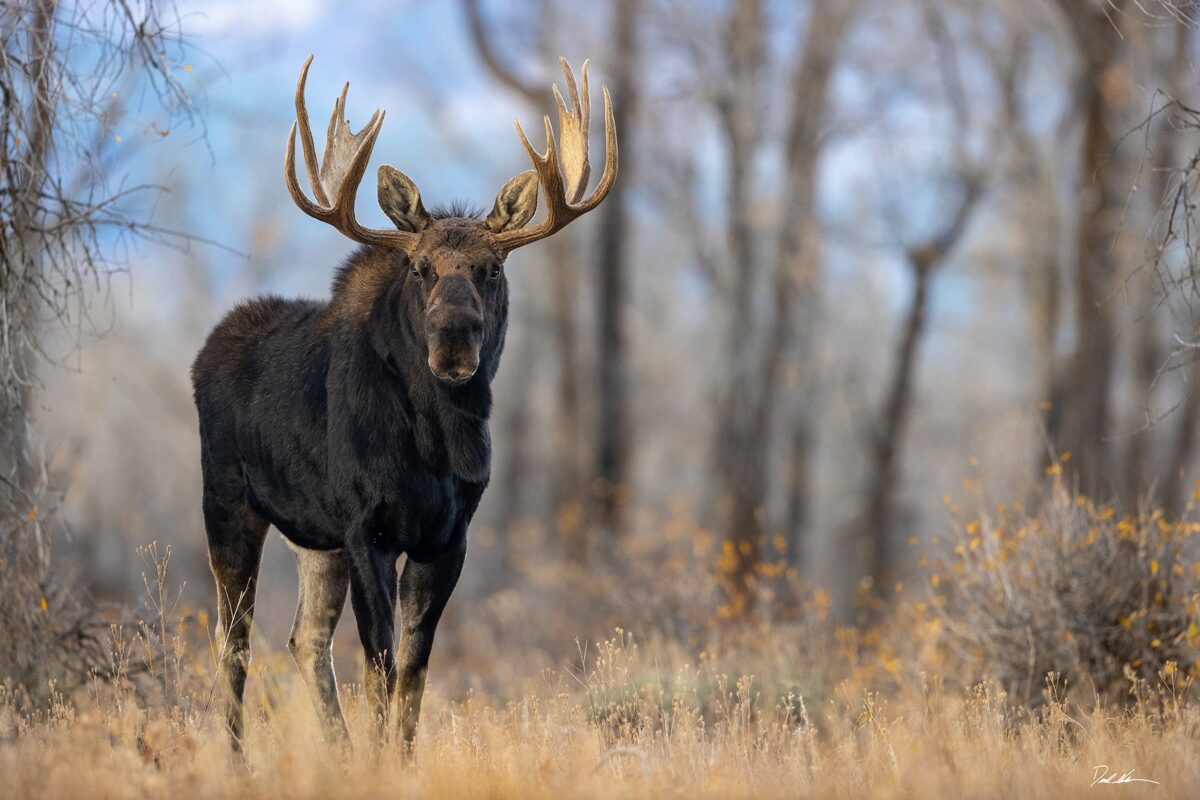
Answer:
(358, 427)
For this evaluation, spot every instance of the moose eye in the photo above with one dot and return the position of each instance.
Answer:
(495, 272)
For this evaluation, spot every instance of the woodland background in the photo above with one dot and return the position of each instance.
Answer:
(864, 259)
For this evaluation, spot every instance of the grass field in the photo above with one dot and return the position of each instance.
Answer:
(926, 701)
(642, 724)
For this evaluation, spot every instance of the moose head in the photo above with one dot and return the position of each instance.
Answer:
(455, 263)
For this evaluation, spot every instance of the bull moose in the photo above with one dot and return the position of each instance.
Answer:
(358, 427)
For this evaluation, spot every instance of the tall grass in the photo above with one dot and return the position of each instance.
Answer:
(687, 698)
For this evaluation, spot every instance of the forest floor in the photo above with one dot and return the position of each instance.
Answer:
(1041, 656)
(639, 723)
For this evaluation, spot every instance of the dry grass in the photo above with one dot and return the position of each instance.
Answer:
(696, 703)
(640, 724)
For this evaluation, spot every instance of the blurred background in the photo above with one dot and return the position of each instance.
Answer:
(862, 257)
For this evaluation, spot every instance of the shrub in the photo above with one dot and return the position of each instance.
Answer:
(51, 632)
(1074, 588)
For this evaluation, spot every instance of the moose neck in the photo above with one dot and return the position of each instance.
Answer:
(451, 424)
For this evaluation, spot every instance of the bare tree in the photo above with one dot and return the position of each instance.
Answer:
(569, 490)
(788, 271)
(604, 495)
(612, 269)
(65, 70)
(1087, 381)
(875, 523)
(1168, 49)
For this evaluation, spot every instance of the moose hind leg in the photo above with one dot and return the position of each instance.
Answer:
(324, 581)
(424, 590)
(235, 541)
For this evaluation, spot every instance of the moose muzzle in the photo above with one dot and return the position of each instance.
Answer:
(454, 330)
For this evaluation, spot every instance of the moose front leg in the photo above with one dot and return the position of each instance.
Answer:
(324, 580)
(373, 595)
(424, 590)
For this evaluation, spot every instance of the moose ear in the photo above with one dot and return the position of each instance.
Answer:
(515, 204)
(400, 200)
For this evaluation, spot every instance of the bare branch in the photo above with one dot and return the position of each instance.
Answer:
(478, 28)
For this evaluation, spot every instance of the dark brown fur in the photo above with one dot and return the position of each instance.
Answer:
(357, 426)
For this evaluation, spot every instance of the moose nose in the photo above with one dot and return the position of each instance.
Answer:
(457, 374)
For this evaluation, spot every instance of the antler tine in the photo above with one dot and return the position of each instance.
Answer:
(573, 126)
(341, 170)
(609, 176)
(306, 140)
(338, 113)
(347, 190)
(563, 196)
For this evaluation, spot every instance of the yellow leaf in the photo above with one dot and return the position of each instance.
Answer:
(1154, 567)
(45, 605)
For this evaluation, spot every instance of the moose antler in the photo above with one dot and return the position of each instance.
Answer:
(563, 184)
(343, 163)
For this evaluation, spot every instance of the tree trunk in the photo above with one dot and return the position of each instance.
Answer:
(799, 489)
(1176, 488)
(874, 524)
(874, 535)
(612, 418)
(748, 419)
(1087, 399)
(1175, 485)
(25, 178)
(568, 491)
(513, 477)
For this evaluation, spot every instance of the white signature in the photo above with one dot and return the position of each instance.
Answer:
(1102, 774)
